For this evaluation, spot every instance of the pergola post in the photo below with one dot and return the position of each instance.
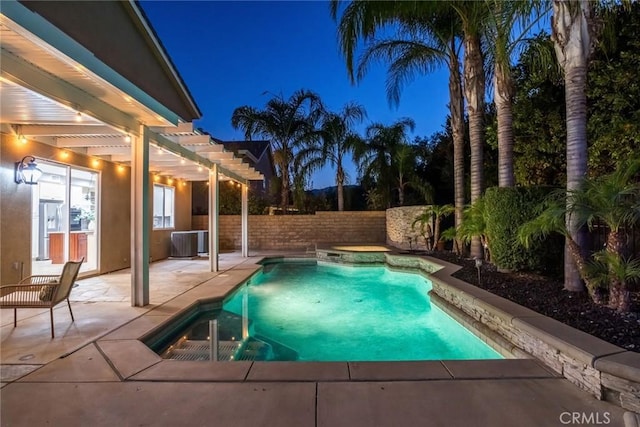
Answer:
(140, 218)
(213, 218)
(245, 220)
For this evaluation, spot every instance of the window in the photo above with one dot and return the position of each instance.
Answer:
(163, 204)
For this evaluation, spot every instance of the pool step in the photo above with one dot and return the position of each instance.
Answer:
(227, 350)
(254, 350)
(200, 350)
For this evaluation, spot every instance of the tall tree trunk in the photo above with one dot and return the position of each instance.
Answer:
(503, 99)
(576, 99)
(456, 107)
(572, 31)
(575, 253)
(436, 232)
(340, 182)
(474, 92)
(284, 193)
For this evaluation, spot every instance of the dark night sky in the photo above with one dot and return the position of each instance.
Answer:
(230, 53)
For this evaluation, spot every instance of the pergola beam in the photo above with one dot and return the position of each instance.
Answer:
(62, 130)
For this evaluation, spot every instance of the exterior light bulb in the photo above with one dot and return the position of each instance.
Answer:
(78, 116)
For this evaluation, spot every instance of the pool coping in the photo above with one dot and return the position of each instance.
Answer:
(606, 371)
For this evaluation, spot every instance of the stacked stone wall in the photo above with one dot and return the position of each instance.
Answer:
(606, 371)
(399, 231)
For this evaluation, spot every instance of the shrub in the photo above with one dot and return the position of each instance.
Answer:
(507, 209)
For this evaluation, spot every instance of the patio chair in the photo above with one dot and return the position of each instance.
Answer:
(41, 291)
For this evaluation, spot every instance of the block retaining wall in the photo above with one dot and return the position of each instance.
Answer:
(287, 232)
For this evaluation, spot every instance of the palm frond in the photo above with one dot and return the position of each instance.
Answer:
(551, 220)
(607, 266)
(407, 59)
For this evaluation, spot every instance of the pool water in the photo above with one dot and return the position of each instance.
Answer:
(320, 312)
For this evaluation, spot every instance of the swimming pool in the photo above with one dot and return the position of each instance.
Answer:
(317, 312)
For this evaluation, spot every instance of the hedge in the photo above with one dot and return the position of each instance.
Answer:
(507, 209)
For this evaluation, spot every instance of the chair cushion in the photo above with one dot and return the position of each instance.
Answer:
(46, 293)
(25, 298)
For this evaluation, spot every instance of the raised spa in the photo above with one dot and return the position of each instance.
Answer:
(310, 311)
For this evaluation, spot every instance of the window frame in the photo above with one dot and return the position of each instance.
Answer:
(172, 216)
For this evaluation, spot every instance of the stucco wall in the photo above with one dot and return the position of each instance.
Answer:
(15, 200)
(300, 231)
(399, 230)
(115, 210)
(161, 239)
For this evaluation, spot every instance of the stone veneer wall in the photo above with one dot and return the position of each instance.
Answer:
(606, 371)
(346, 257)
(300, 231)
(399, 230)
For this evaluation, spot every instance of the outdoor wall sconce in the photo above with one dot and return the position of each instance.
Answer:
(27, 173)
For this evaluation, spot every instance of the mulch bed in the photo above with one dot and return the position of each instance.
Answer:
(547, 296)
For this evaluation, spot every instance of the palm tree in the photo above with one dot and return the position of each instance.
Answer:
(427, 37)
(503, 19)
(433, 214)
(472, 14)
(287, 123)
(335, 139)
(474, 226)
(612, 200)
(375, 154)
(572, 31)
(403, 165)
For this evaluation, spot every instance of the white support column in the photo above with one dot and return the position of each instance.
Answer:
(140, 214)
(245, 220)
(213, 218)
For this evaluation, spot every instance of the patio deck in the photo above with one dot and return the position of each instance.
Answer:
(95, 372)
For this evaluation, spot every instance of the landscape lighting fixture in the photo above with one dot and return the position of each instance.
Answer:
(478, 265)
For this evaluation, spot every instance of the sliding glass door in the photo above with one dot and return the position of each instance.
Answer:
(64, 218)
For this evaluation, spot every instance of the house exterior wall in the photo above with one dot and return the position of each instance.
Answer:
(113, 222)
(161, 239)
(300, 231)
(15, 235)
(265, 166)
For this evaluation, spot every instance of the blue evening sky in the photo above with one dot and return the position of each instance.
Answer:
(230, 53)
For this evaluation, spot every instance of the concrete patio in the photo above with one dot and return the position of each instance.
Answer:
(95, 372)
